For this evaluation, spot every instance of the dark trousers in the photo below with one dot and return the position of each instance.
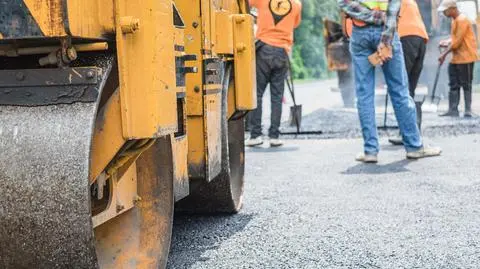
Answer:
(414, 49)
(272, 67)
(461, 76)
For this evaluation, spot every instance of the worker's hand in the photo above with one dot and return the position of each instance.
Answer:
(384, 52)
(442, 58)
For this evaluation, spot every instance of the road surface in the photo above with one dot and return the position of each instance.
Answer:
(310, 205)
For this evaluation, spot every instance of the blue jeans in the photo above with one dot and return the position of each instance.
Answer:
(364, 42)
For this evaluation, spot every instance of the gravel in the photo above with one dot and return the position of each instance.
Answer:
(309, 205)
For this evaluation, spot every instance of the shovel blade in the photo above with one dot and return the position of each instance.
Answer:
(429, 108)
(296, 115)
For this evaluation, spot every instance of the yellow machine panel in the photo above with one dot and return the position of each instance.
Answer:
(137, 102)
(191, 15)
(224, 38)
(49, 15)
(145, 49)
(90, 18)
(213, 139)
(246, 98)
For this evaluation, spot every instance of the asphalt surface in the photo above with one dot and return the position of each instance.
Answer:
(310, 205)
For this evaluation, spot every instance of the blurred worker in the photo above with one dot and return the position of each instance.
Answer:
(374, 34)
(345, 77)
(463, 46)
(414, 38)
(276, 22)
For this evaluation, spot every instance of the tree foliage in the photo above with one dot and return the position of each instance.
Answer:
(309, 59)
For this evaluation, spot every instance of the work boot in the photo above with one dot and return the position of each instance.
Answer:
(254, 142)
(366, 158)
(398, 141)
(468, 103)
(424, 153)
(453, 100)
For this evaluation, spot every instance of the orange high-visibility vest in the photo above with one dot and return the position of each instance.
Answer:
(410, 22)
(347, 25)
(373, 5)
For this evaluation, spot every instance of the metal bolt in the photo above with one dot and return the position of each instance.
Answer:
(90, 75)
(137, 199)
(71, 54)
(195, 24)
(239, 20)
(129, 24)
(20, 76)
(120, 208)
(241, 47)
(196, 89)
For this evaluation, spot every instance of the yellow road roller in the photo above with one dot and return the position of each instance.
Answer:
(113, 114)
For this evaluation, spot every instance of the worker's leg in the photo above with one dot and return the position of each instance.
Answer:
(277, 88)
(263, 77)
(454, 93)
(414, 49)
(403, 104)
(410, 55)
(467, 80)
(416, 71)
(361, 46)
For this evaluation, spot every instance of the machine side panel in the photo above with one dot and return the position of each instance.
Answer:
(145, 42)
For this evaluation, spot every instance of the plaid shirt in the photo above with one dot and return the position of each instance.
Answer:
(360, 12)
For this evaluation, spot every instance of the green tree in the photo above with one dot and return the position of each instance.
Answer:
(309, 59)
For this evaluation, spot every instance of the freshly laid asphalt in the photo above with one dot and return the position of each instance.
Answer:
(310, 205)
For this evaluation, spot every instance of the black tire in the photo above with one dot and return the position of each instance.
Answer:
(225, 192)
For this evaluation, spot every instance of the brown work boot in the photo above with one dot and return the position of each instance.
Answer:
(366, 158)
(424, 153)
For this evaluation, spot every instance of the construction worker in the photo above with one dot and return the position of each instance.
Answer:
(414, 38)
(345, 77)
(374, 34)
(276, 22)
(463, 46)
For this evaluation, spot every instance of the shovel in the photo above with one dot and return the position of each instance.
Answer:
(295, 110)
(433, 106)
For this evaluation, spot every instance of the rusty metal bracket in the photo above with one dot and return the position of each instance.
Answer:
(40, 87)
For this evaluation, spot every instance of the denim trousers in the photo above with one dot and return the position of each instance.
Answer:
(272, 68)
(364, 42)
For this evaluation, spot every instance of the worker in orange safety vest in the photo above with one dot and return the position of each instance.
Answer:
(414, 38)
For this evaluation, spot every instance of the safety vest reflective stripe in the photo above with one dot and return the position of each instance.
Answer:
(381, 5)
(376, 4)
